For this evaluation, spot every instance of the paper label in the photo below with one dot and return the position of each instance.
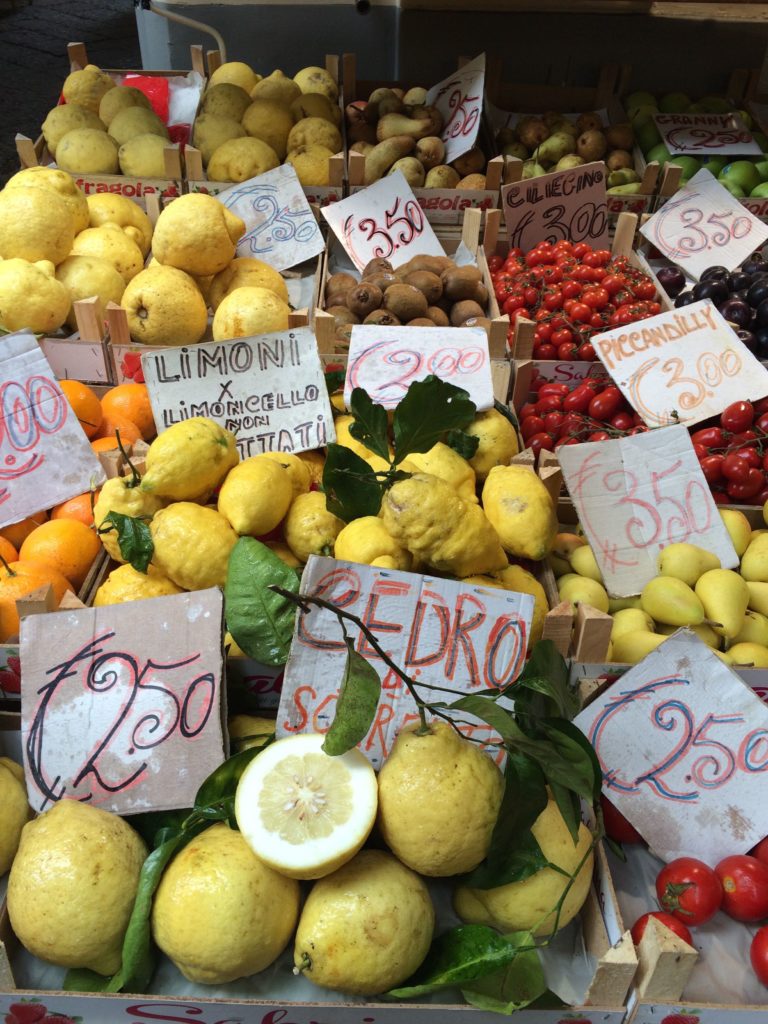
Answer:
(45, 457)
(704, 134)
(383, 221)
(116, 701)
(74, 359)
(281, 229)
(438, 631)
(459, 98)
(268, 390)
(703, 757)
(682, 366)
(384, 361)
(636, 495)
(567, 205)
(703, 225)
(568, 373)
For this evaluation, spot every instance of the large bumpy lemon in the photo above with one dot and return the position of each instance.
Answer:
(276, 87)
(53, 180)
(240, 159)
(297, 470)
(31, 297)
(87, 151)
(196, 233)
(212, 131)
(366, 540)
(35, 224)
(271, 122)
(192, 545)
(311, 164)
(439, 797)
(314, 79)
(128, 584)
(521, 510)
(255, 496)
(246, 272)
(236, 72)
(226, 100)
(219, 912)
(87, 87)
(189, 459)
(497, 442)
(315, 131)
(66, 118)
(109, 242)
(119, 495)
(143, 156)
(14, 810)
(108, 208)
(133, 121)
(529, 905)
(309, 528)
(315, 104)
(164, 306)
(72, 886)
(443, 462)
(365, 928)
(120, 98)
(249, 311)
(303, 812)
(88, 276)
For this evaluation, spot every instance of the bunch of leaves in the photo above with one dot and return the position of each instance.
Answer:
(133, 535)
(431, 410)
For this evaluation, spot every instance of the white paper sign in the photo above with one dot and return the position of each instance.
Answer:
(563, 205)
(385, 361)
(280, 227)
(45, 456)
(383, 221)
(268, 390)
(681, 366)
(459, 98)
(704, 134)
(703, 225)
(683, 744)
(438, 631)
(636, 495)
(121, 706)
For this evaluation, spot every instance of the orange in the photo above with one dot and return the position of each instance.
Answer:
(104, 444)
(80, 508)
(86, 405)
(16, 532)
(20, 579)
(129, 432)
(7, 551)
(64, 544)
(132, 402)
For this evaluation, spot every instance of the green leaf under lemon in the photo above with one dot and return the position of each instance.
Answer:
(356, 705)
(133, 537)
(260, 621)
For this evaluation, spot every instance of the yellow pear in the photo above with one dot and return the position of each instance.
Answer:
(583, 562)
(754, 561)
(686, 562)
(703, 632)
(725, 596)
(631, 620)
(669, 600)
(754, 630)
(633, 647)
(737, 525)
(559, 557)
(758, 597)
(583, 590)
(754, 655)
(615, 604)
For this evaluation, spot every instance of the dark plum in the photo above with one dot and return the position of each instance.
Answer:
(738, 281)
(736, 312)
(672, 280)
(761, 314)
(714, 289)
(684, 299)
(754, 266)
(740, 294)
(748, 339)
(714, 273)
(761, 336)
(758, 292)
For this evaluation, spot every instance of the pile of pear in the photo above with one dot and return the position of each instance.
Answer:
(726, 608)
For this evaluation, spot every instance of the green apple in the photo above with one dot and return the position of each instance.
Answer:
(639, 99)
(745, 117)
(696, 108)
(760, 191)
(659, 153)
(674, 103)
(715, 105)
(642, 115)
(689, 165)
(742, 173)
(735, 190)
(714, 164)
(762, 169)
(647, 137)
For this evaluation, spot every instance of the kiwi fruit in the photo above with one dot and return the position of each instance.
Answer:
(343, 338)
(337, 284)
(478, 321)
(382, 318)
(460, 283)
(428, 284)
(363, 299)
(342, 315)
(405, 302)
(462, 311)
(336, 298)
(434, 264)
(438, 316)
(376, 266)
(421, 321)
(481, 295)
(382, 280)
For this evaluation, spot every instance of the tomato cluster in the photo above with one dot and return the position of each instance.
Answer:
(571, 292)
(733, 453)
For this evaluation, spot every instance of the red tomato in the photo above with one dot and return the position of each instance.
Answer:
(567, 350)
(758, 954)
(529, 409)
(712, 468)
(745, 887)
(690, 890)
(579, 399)
(606, 404)
(645, 289)
(571, 290)
(539, 441)
(552, 422)
(622, 421)
(521, 313)
(586, 352)
(531, 425)
(554, 403)
(751, 456)
(495, 263)
(742, 490)
(545, 351)
(613, 283)
(597, 298)
(581, 249)
(710, 437)
(543, 332)
(580, 312)
(668, 920)
(553, 388)
(616, 825)
(599, 435)
(553, 300)
(560, 336)
(737, 417)
(761, 423)
(512, 302)
(735, 468)
(745, 437)
(761, 851)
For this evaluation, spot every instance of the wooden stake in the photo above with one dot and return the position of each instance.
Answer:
(592, 634)
(666, 963)
(558, 624)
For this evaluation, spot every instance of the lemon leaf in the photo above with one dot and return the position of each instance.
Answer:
(260, 621)
(356, 705)
(133, 538)
(428, 411)
(334, 380)
(542, 687)
(463, 444)
(370, 423)
(515, 986)
(222, 782)
(351, 487)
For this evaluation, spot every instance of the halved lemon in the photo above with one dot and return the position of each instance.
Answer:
(303, 812)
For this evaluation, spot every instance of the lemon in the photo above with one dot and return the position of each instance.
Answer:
(315, 104)
(225, 100)
(298, 471)
(443, 462)
(220, 913)
(247, 731)
(88, 276)
(67, 118)
(236, 72)
(246, 271)
(128, 584)
(192, 545)
(108, 208)
(189, 459)
(344, 437)
(120, 98)
(249, 311)
(514, 577)
(109, 242)
(366, 928)
(315, 131)
(197, 234)
(165, 306)
(303, 812)
(31, 297)
(211, 131)
(311, 164)
(309, 528)
(284, 553)
(117, 495)
(87, 151)
(14, 810)
(276, 87)
(87, 87)
(255, 496)
(527, 905)
(315, 463)
(439, 797)
(143, 156)
(133, 121)
(366, 540)
(271, 122)
(61, 183)
(497, 442)
(240, 159)
(35, 224)
(314, 79)
(521, 510)
(72, 886)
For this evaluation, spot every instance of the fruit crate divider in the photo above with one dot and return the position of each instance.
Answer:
(666, 962)
(532, 98)
(78, 59)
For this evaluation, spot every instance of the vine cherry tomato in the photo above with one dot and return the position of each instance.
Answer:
(745, 887)
(617, 827)
(712, 468)
(606, 404)
(735, 468)
(673, 923)
(758, 954)
(737, 417)
(744, 489)
(689, 890)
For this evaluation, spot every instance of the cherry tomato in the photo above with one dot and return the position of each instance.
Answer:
(512, 302)
(690, 890)
(567, 350)
(737, 417)
(645, 289)
(521, 313)
(495, 263)
(539, 441)
(751, 456)
(745, 887)
(599, 435)
(572, 424)
(580, 313)
(561, 336)
(586, 352)
(758, 954)
(617, 827)
(712, 468)
(552, 387)
(761, 850)
(735, 468)
(741, 490)
(606, 404)
(579, 399)
(532, 425)
(720, 497)
(668, 920)
(544, 352)
(761, 497)
(596, 298)
(745, 437)
(553, 300)
(552, 403)
(613, 283)
(710, 437)
(581, 249)
(529, 409)
(552, 421)
(622, 421)
(571, 290)
(761, 423)
(531, 296)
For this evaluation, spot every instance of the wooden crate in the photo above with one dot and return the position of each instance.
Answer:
(83, 355)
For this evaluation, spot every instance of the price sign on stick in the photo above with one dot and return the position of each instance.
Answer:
(459, 98)
(683, 744)
(385, 361)
(681, 366)
(383, 221)
(705, 134)
(703, 226)
(565, 205)
(635, 496)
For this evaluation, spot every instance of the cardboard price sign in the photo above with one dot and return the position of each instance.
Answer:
(383, 221)
(459, 98)
(703, 226)
(268, 390)
(681, 366)
(438, 631)
(385, 362)
(704, 134)
(116, 701)
(683, 744)
(635, 496)
(280, 227)
(45, 457)
(563, 205)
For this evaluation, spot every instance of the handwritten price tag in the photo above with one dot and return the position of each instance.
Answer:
(116, 701)
(459, 98)
(565, 205)
(383, 221)
(45, 457)
(681, 366)
(695, 784)
(704, 225)
(385, 361)
(635, 496)
(703, 134)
